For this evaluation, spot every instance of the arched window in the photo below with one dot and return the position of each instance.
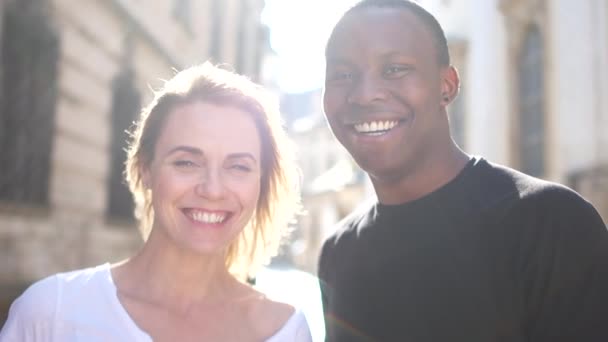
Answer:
(242, 43)
(126, 101)
(182, 13)
(215, 48)
(30, 52)
(531, 104)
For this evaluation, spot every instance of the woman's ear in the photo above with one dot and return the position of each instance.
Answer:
(146, 177)
(450, 84)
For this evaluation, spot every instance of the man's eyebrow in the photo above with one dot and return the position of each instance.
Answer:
(336, 60)
(187, 149)
(393, 53)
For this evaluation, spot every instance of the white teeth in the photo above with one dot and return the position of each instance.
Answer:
(375, 126)
(207, 217)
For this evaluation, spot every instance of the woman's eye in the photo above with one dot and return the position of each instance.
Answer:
(184, 163)
(243, 168)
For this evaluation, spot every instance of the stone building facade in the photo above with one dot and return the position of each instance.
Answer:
(74, 75)
(534, 82)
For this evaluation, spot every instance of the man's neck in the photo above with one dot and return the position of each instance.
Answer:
(422, 180)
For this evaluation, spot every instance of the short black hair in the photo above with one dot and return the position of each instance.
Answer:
(425, 16)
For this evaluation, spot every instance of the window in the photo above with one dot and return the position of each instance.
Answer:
(215, 48)
(126, 102)
(242, 42)
(28, 93)
(531, 109)
(181, 13)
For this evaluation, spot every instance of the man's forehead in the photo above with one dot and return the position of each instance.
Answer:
(381, 19)
(367, 27)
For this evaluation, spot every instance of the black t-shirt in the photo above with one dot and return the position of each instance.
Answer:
(494, 255)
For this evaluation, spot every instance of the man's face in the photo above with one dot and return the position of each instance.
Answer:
(383, 91)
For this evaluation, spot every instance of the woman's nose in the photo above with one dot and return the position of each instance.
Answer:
(210, 185)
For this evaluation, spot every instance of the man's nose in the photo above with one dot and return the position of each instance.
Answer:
(367, 90)
(210, 185)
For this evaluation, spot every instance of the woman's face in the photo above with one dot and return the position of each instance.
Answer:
(205, 176)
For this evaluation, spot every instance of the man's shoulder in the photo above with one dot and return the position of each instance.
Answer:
(357, 219)
(343, 241)
(507, 187)
(496, 183)
(524, 185)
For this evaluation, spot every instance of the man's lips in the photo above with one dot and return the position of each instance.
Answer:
(376, 127)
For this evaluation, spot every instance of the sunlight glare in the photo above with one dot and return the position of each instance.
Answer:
(298, 32)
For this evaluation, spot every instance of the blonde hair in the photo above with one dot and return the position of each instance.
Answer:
(279, 198)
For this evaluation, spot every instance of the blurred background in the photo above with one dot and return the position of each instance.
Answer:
(74, 74)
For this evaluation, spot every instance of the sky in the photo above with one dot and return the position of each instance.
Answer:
(298, 32)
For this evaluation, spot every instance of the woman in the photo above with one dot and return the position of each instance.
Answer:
(215, 183)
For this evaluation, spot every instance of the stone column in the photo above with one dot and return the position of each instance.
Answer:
(488, 111)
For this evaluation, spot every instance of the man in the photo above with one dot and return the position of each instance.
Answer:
(456, 248)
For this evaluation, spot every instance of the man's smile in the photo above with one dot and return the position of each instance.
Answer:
(376, 127)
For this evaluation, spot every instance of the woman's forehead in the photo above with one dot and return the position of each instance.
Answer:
(210, 126)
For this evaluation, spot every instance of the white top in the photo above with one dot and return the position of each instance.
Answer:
(82, 306)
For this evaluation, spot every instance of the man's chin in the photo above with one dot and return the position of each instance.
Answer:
(383, 170)
(378, 170)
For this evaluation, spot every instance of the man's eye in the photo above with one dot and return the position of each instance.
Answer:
(340, 76)
(396, 70)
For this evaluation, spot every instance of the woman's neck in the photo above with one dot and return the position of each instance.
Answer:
(165, 274)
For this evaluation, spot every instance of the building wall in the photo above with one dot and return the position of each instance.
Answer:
(572, 91)
(575, 49)
(99, 39)
(580, 63)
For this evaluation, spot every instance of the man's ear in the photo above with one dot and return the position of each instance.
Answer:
(450, 84)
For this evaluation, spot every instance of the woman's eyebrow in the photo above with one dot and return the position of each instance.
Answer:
(245, 155)
(187, 149)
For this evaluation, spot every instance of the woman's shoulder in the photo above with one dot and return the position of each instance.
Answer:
(279, 321)
(35, 311)
(42, 298)
(83, 277)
